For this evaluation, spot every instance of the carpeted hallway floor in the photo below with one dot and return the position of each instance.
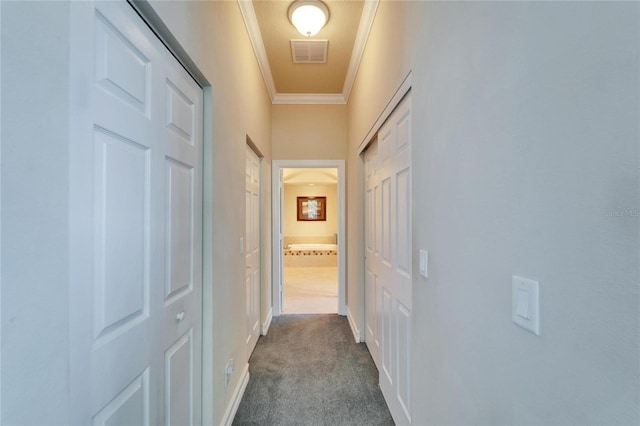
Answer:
(309, 371)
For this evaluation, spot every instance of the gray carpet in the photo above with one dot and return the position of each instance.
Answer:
(309, 371)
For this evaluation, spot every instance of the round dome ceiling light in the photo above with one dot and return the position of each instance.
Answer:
(308, 16)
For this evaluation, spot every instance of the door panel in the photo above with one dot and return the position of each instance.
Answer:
(252, 248)
(386, 337)
(121, 281)
(388, 264)
(370, 322)
(404, 358)
(180, 114)
(373, 296)
(385, 218)
(123, 257)
(255, 247)
(403, 222)
(121, 69)
(179, 229)
(178, 381)
(180, 125)
(131, 406)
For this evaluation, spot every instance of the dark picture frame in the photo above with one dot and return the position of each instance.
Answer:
(312, 209)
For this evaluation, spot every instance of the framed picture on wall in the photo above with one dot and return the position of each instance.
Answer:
(312, 208)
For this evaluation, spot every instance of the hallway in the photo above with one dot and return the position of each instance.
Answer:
(308, 371)
(135, 283)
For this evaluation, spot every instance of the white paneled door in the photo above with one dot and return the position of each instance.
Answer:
(136, 273)
(252, 248)
(388, 292)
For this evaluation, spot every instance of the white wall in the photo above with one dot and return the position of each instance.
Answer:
(295, 228)
(525, 161)
(35, 341)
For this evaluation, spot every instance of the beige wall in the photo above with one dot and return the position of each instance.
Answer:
(309, 132)
(214, 36)
(525, 145)
(384, 66)
(294, 228)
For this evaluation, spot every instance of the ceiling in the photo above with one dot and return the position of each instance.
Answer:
(315, 176)
(270, 31)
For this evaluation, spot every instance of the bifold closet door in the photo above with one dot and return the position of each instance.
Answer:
(388, 285)
(136, 287)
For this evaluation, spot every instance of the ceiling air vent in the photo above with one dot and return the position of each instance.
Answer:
(309, 51)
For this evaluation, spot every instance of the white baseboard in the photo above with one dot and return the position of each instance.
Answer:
(352, 323)
(265, 325)
(238, 392)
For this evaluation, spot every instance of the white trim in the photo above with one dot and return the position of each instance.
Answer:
(276, 239)
(366, 22)
(277, 166)
(354, 328)
(404, 88)
(160, 29)
(267, 323)
(0, 224)
(308, 99)
(238, 393)
(253, 29)
(208, 346)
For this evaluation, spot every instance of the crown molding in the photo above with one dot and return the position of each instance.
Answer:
(366, 22)
(309, 98)
(253, 29)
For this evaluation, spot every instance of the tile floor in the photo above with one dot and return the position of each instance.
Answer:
(310, 290)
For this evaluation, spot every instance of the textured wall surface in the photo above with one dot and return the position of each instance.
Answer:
(525, 162)
(309, 132)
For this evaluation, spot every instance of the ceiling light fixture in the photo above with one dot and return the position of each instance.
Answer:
(308, 16)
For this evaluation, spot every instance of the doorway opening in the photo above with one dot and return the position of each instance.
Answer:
(310, 249)
(308, 243)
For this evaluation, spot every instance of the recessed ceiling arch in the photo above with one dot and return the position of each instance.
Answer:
(270, 33)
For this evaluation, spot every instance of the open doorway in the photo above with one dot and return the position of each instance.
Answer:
(308, 243)
(310, 237)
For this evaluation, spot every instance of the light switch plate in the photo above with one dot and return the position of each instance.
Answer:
(424, 263)
(525, 308)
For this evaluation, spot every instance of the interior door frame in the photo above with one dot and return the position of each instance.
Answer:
(276, 282)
